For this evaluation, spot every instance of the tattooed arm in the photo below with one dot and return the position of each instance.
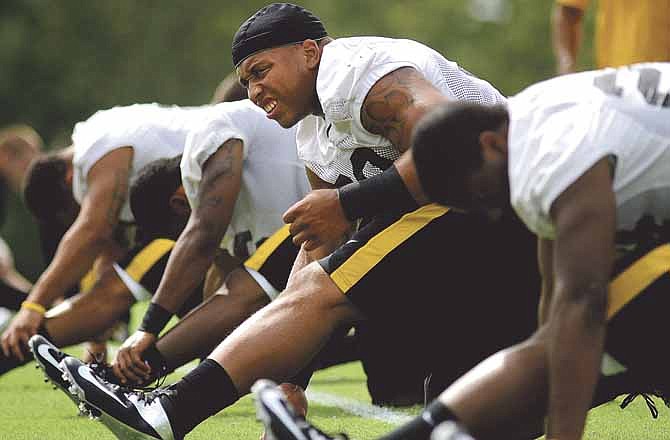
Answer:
(395, 104)
(197, 245)
(89, 236)
(92, 232)
(391, 109)
(191, 257)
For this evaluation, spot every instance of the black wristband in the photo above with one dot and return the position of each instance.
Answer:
(155, 319)
(375, 195)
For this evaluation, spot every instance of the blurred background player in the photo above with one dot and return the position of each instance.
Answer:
(84, 188)
(625, 32)
(229, 90)
(19, 145)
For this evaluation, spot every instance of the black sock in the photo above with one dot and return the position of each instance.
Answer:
(200, 394)
(420, 427)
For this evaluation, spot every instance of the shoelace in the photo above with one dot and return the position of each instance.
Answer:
(150, 396)
(146, 393)
(105, 371)
(648, 400)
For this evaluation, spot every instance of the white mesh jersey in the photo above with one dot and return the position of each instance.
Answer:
(561, 127)
(273, 178)
(153, 131)
(337, 147)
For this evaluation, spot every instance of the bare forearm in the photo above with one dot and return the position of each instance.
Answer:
(75, 256)
(192, 256)
(567, 36)
(575, 352)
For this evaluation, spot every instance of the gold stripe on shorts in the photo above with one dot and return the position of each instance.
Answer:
(640, 275)
(147, 257)
(258, 259)
(367, 257)
(86, 283)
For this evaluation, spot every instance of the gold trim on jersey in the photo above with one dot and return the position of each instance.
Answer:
(632, 281)
(263, 252)
(148, 257)
(366, 258)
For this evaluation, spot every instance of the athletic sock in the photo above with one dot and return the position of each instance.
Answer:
(203, 392)
(421, 427)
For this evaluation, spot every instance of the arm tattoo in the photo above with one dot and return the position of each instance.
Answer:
(119, 193)
(386, 102)
(222, 167)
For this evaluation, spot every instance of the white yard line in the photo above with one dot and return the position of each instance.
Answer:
(351, 406)
(358, 408)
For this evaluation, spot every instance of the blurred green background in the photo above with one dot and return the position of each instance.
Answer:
(60, 61)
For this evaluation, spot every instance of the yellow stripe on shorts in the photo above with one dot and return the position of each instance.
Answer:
(258, 259)
(86, 283)
(640, 275)
(147, 257)
(364, 259)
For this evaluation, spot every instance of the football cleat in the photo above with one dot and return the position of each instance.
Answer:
(48, 358)
(131, 415)
(279, 417)
(450, 431)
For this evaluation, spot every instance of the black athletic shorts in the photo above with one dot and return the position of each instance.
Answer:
(639, 301)
(273, 259)
(145, 264)
(441, 291)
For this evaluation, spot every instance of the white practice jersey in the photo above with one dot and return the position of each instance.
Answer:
(273, 178)
(337, 147)
(153, 131)
(561, 127)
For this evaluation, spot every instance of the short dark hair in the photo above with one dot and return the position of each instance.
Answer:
(150, 196)
(45, 188)
(446, 148)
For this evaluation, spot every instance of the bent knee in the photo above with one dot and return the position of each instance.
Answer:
(312, 283)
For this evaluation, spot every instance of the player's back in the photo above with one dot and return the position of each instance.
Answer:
(561, 127)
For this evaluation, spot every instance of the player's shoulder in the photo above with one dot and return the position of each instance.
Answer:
(348, 62)
(230, 114)
(345, 54)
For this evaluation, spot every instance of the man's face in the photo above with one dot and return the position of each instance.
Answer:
(282, 81)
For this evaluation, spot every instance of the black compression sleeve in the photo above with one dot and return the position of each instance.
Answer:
(375, 195)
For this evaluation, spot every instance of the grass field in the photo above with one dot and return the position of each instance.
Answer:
(30, 409)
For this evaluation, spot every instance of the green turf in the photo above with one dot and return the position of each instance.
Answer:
(30, 409)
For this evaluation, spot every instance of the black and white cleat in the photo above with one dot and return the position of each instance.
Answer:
(130, 415)
(280, 419)
(48, 358)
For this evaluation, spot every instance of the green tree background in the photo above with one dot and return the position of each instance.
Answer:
(60, 61)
